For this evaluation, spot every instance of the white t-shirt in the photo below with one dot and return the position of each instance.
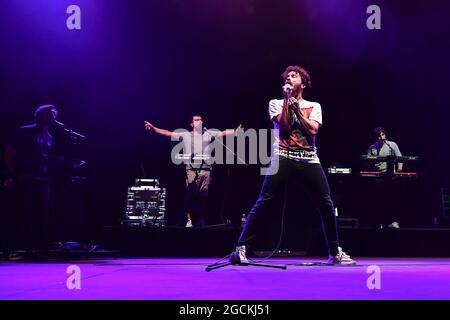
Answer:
(197, 147)
(297, 146)
(386, 149)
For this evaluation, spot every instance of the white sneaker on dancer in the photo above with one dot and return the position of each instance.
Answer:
(341, 258)
(394, 225)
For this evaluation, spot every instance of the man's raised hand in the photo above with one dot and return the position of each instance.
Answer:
(148, 126)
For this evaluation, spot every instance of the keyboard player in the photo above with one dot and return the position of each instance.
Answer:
(383, 212)
(384, 148)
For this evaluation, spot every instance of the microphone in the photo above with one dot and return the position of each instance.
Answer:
(287, 89)
(391, 151)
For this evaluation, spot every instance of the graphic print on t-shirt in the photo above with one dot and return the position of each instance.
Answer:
(297, 140)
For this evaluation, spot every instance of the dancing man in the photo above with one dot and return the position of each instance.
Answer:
(296, 123)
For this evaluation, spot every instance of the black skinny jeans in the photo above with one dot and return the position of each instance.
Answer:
(315, 181)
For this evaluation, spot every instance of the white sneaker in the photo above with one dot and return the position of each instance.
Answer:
(189, 224)
(394, 225)
(341, 258)
(16, 256)
(240, 252)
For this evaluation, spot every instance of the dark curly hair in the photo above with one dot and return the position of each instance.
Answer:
(195, 115)
(377, 131)
(304, 74)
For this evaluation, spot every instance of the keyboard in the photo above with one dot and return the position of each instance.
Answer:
(377, 174)
(390, 158)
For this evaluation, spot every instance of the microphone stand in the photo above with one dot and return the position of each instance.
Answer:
(390, 161)
(235, 261)
(73, 134)
(392, 152)
(233, 258)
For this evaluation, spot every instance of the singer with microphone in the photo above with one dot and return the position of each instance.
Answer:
(198, 172)
(296, 123)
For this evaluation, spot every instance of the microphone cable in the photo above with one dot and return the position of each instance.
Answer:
(281, 232)
(283, 213)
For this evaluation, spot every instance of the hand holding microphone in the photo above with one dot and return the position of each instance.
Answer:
(293, 103)
(287, 89)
